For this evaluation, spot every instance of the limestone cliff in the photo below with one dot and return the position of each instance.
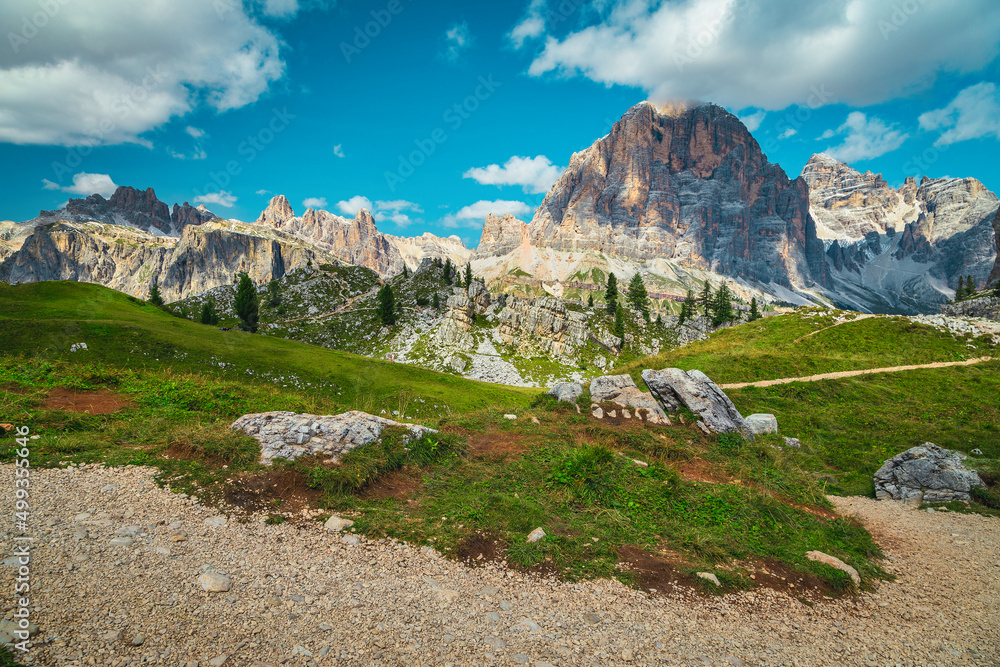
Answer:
(995, 275)
(414, 250)
(501, 235)
(130, 207)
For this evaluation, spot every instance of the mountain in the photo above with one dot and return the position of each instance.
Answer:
(995, 275)
(900, 250)
(130, 207)
(681, 194)
(414, 249)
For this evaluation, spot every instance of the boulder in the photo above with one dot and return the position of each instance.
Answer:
(927, 473)
(479, 296)
(290, 435)
(566, 391)
(622, 390)
(672, 387)
(762, 424)
(835, 563)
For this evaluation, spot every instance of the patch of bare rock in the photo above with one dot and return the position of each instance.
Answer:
(302, 595)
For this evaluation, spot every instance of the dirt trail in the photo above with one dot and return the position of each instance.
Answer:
(863, 316)
(116, 560)
(846, 374)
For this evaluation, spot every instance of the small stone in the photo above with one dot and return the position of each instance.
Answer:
(835, 562)
(178, 536)
(612, 413)
(536, 534)
(792, 442)
(641, 464)
(216, 521)
(511, 417)
(520, 658)
(489, 591)
(598, 413)
(534, 419)
(215, 582)
(163, 551)
(138, 640)
(335, 524)
(506, 605)
(219, 660)
(527, 625)
(350, 539)
(590, 618)
(708, 576)
(122, 542)
(627, 655)
(761, 423)
(112, 636)
(492, 617)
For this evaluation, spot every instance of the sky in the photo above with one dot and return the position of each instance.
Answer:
(433, 114)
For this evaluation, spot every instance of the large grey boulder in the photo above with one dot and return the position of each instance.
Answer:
(566, 391)
(927, 473)
(622, 390)
(761, 423)
(291, 435)
(673, 387)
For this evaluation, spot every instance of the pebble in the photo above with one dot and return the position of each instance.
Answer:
(214, 582)
(536, 534)
(335, 524)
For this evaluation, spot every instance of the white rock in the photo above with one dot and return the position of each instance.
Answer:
(761, 423)
(122, 541)
(510, 416)
(835, 562)
(536, 534)
(215, 582)
(708, 576)
(335, 524)
(216, 521)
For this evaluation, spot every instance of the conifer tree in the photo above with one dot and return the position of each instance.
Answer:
(619, 328)
(406, 272)
(611, 294)
(590, 300)
(722, 306)
(437, 301)
(638, 296)
(386, 305)
(970, 287)
(154, 295)
(447, 271)
(468, 274)
(688, 307)
(246, 304)
(754, 313)
(706, 298)
(208, 314)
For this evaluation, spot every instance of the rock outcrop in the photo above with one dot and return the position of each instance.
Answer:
(928, 474)
(995, 274)
(987, 306)
(621, 390)
(672, 387)
(501, 234)
(290, 435)
(762, 424)
(543, 323)
(416, 249)
(130, 207)
(566, 391)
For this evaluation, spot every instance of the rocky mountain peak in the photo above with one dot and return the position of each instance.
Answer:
(501, 234)
(847, 204)
(131, 207)
(278, 211)
(995, 275)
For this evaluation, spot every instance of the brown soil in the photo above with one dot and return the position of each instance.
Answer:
(284, 492)
(700, 470)
(777, 576)
(654, 573)
(480, 549)
(492, 445)
(399, 484)
(101, 402)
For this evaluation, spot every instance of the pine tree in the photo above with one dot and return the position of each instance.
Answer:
(638, 296)
(970, 287)
(722, 306)
(754, 313)
(208, 314)
(619, 328)
(611, 294)
(706, 299)
(246, 304)
(659, 320)
(387, 305)
(447, 271)
(468, 274)
(273, 294)
(437, 301)
(154, 295)
(688, 307)
(590, 300)
(406, 272)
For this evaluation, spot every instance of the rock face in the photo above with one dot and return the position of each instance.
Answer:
(290, 435)
(544, 323)
(129, 260)
(984, 306)
(995, 275)
(501, 235)
(131, 207)
(622, 390)
(672, 387)
(927, 473)
(462, 308)
(688, 185)
(900, 250)
(415, 250)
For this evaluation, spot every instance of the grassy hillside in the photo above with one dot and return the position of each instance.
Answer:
(806, 343)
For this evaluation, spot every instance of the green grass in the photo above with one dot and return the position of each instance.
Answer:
(775, 347)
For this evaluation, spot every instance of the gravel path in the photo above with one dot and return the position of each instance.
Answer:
(304, 596)
(848, 374)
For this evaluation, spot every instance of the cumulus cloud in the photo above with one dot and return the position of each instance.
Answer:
(315, 202)
(104, 72)
(865, 138)
(974, 113)
(220, 198)
(353, 205)
(790, 132)
(753, 121)
(85, 184)
(457, 39)
(473, 215)
(263, 192)
(772, 55)
(338, 150)
(195, 132)
(396, 211)
(533, 174)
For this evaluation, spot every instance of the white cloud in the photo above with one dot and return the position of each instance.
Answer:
(790, 132)
(354, 204)
(220, 198)
(753, 121)
(263, 192)
(826, 135)
(195, 132)
(394, 211)
(287, 9)
(533, 174)
(473, 215)
(771, 55)
(457, 39)
(865, 138)
(338, 150)
(85, 184)
(105, 72)
(315, 202)
(974, 113)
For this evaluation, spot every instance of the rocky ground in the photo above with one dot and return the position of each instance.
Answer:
(117, 561)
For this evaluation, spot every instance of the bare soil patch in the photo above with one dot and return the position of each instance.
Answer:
(398, 484)
(284, 492)
(478, 550)
(654, 573)
(101, 402)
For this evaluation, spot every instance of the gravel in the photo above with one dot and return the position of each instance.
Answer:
(301, 595)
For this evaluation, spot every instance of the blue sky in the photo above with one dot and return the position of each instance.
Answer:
(434, 113)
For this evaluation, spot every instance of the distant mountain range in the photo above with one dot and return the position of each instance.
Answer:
(679, 194)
